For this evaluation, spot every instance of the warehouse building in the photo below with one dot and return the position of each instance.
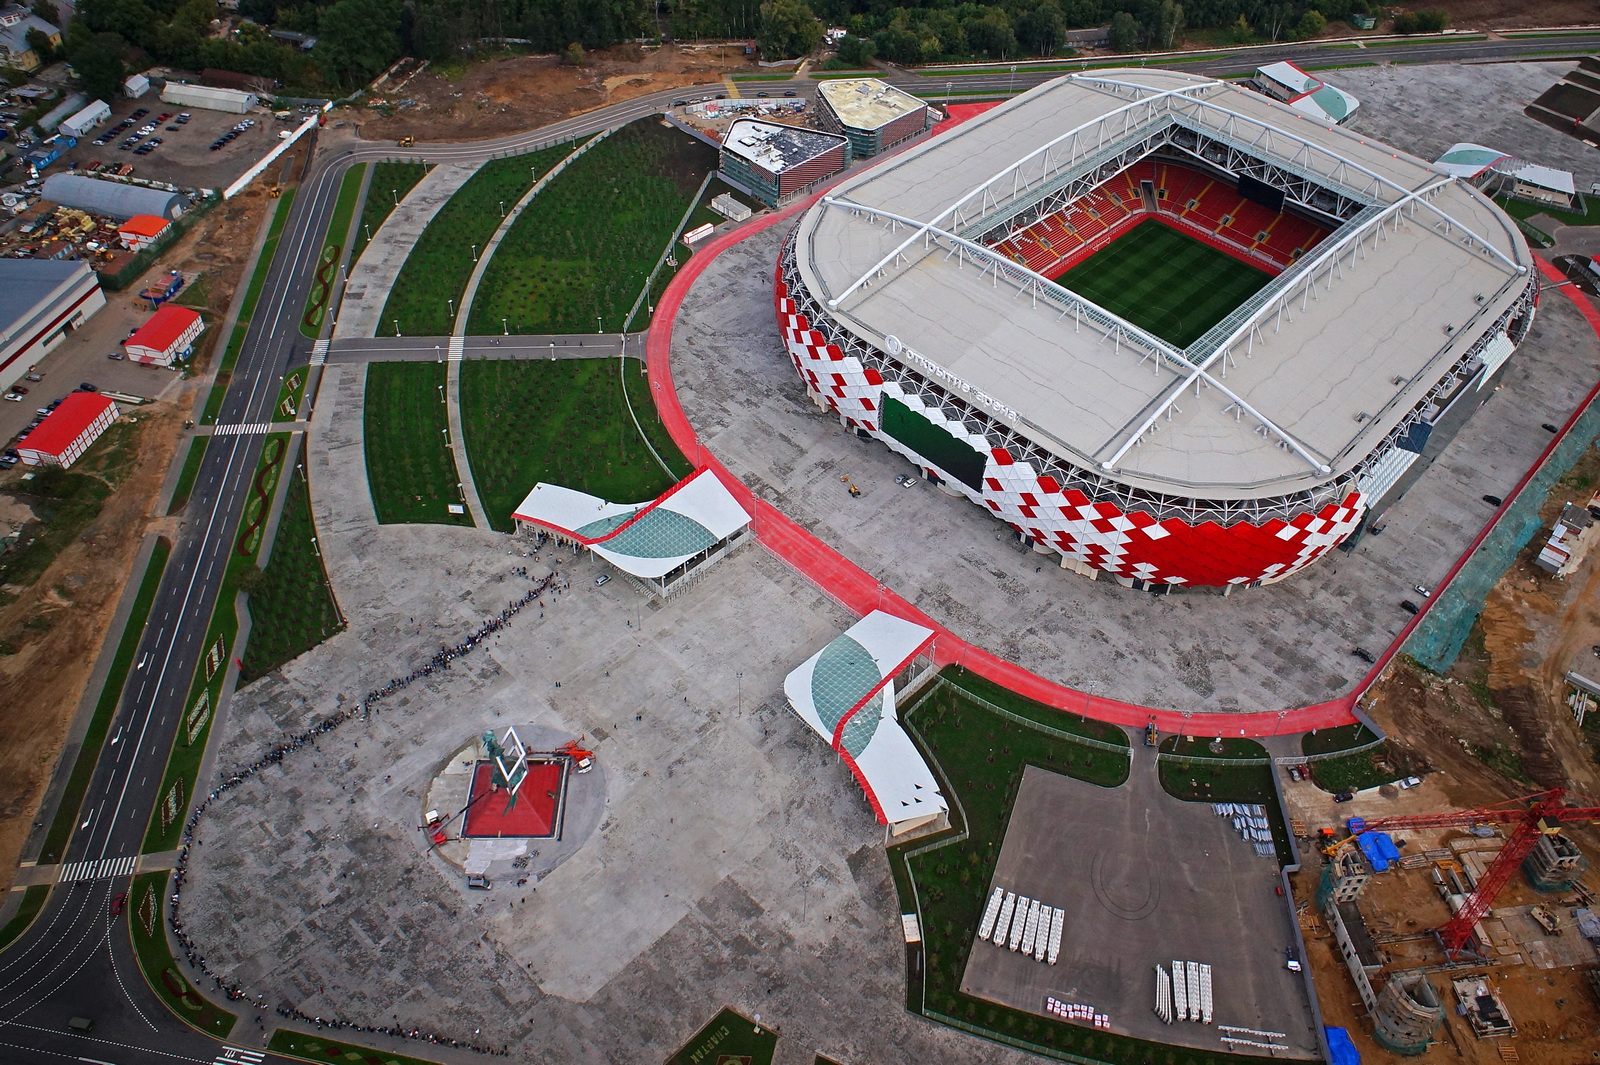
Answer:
(111, 198)
(776, 163)
(85, 120)
(141, 231)
(168, 336)
(233, 101)
(873, 115)
(41, 301)
(71, 429)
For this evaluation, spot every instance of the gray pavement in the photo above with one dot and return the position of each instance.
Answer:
(1269, 648)
(369, 283)
(539, 346)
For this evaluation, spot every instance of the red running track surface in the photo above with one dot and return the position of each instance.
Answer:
(859, 591)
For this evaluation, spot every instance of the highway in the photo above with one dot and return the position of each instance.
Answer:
(75, 959)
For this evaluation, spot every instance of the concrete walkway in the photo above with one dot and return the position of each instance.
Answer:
(366, 292)
(458, 441)
(425, 349)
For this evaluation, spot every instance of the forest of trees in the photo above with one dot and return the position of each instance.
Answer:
(359, 38)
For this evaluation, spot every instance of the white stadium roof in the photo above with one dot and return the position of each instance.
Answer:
(1292, 391)
(646, 540)
(845, 692)
(1310, 95)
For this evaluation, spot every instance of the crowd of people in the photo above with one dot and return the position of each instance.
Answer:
(307, 737)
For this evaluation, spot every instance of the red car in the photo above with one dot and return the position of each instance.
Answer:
(119, 902)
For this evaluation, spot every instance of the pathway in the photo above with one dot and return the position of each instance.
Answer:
(543, 346)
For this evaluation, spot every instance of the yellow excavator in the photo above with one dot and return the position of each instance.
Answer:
(408, 141)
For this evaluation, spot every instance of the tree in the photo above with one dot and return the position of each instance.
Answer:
(1124, 32)
(991, 34)
(251, 579)
(1042, 28)
(787, 29)
(358, 39)
(1310, 24)
(574, 56)
(856, 51)
(97, 57)
(1168, 24)
(39, 44)
(47, 11)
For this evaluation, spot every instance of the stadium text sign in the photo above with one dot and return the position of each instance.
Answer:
(962, 386)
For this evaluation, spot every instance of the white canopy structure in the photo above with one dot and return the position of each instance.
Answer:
(660, 542)
(846, 693)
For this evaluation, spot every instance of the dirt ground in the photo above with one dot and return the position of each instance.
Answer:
(1506, 14)
(45, 679)
(503, 96)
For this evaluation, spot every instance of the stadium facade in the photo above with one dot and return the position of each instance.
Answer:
(916, 302)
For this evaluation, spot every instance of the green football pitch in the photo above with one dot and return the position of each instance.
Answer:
(1165, 282)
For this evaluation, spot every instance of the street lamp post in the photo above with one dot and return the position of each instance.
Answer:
(397, 327)
(474, 253)
(502, 210)
(1012, 87)
(366, 228)
(947, 86)
(505, 330)
(598, 328)
(552, 351)
(395, 193)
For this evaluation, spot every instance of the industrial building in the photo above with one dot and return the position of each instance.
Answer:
(41, 301)
(141, 231)
(167, 337)
(111, 198)
(70, 430)
(872, 115)
(233, 101)
(775, 163)
(919, 304)
(86, 119)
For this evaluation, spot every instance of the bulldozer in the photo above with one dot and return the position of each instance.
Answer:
(408, 141)
(275, 191)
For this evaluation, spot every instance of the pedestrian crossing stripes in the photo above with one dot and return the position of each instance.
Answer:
(458, 348)
(239, 1056)
(319, 353)
(97, 870)
(243, 429)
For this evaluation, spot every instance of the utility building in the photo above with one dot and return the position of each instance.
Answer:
(168, 336)
(111, 198)
(776, 162)
(233, 101)
(873, 115)
(69, 431)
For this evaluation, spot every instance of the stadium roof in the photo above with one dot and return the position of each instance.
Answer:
(774, 147)
(110, 197)
(1287, 394)
(867, 103)
(1309, 94)
(67, 422)
(845, 693)
(1467, 161)
(646, 540)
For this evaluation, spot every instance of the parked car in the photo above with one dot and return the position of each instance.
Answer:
(11, 397)
(1493, 501)
(1364, 654)
(8, 461)
(87, 387)
(19, 390)
(1408, 606)
(1343, 796)
(1410, 782)
(603, 579)
(183, 118)
(114, 356)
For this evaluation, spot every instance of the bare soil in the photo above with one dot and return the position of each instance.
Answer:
(1506, 14)
(497, 97)
(58, 624)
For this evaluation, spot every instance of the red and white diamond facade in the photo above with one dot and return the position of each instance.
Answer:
(916, 303)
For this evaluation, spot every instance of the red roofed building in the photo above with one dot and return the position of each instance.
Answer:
(166, 337)
(141, 231)
(67, 433)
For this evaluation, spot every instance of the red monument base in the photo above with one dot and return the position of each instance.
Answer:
(536, 812)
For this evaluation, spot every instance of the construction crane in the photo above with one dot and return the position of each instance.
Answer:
(1534, 816)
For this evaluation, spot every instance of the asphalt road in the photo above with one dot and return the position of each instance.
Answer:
(75, 960)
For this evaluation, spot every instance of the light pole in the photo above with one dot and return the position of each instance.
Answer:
(502, 210)
(397, 327)
(552, 351)
(947, 86)
(441, 393)
(1012, 87)
(474, 253)
(438, 353)
(505, 330)
(395, 193)
(452, 305)
(597, 326)
(367, 229)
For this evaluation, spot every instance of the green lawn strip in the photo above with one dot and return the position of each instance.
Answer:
(787, 77)
(585, 245)
(188, 475)
(1530, 34)
(1216, 781)
(196, 294)
(290, 393)
(730, 1036)
(247, 307)
(411, 470)
(292, 609)
(1523, 210)
(980, 757)
(220, 645)
(638, 386)
(1338, 738)
(327, 267)
(155, 959)
(391, 182)
(1166, 282)
(565, 422)
(1011, 702)
(438, 267)
(319, 1048)
(105, 708)
(32, 903)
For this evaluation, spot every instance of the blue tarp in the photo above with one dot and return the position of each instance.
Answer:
(1380, 850)
(1340, 1050)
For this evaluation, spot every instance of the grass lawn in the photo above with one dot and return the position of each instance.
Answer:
(1249, 781)
(390, 182)
(410, 469)
(187, 476)
(1354, 771)
(155, 959)
(980, 756)
(1523, 210)
(293, 610)
(1165, 282)
(564, 422)
(440, 263)
(32, 903)
(585, 245)
(55, 842)
(327, 268)
(730, 1035)
(319, 1048)
(247, 307)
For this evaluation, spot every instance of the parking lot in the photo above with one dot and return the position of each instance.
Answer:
(184, 157)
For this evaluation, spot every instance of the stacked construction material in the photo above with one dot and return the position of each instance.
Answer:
(1250, 821)
(1163, 995)
(1025, 925)
(1077, 1013)
(1190, 991)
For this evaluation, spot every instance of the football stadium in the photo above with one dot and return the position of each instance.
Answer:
(1165, 327)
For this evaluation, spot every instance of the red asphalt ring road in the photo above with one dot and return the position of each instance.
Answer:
(860, 592)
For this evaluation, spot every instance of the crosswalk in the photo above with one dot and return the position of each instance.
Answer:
(319, 353)
(243, 429)
(458, 348)
(97, 870)
(239, 1056)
